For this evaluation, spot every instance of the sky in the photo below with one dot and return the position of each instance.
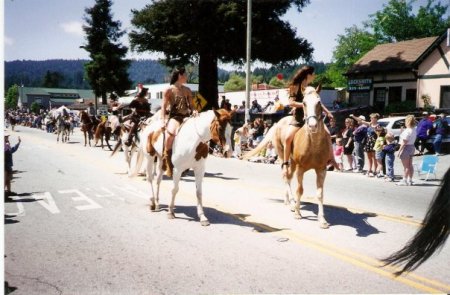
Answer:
(52, 29)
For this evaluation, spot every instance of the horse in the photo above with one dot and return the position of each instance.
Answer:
(87, 127)
(135, 146)
(190, 150)
(311, 145)
(63, 128)
(103, 130)
(431, 237)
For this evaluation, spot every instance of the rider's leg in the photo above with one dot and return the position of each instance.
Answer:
(172, 127)
(133, 130)
(288, 148)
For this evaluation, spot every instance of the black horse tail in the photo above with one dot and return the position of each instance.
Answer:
(430, 237)
(118, 145)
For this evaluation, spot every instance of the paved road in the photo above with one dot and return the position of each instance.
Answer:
(80, 226)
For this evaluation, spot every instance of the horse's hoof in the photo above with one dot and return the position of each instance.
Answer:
(297, 216)
(170, 216)
(205, 223)
(152, 207)
(324, 225)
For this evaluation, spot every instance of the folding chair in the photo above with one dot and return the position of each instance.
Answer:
(428, 166)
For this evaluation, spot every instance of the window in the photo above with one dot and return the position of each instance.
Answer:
(411, 94)
(398, 124)
(395, 94)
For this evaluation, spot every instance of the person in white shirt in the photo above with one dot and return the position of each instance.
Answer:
(407, 149)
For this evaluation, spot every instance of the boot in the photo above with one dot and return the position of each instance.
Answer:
(167, 163)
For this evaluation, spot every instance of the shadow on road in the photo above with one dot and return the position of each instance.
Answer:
(190, 173)
(342, 216)
(218, 217)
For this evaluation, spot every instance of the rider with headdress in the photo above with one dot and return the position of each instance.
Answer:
(177, 105)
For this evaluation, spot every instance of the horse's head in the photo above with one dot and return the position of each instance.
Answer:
(312, 108)
(221, 130)
(84, 117)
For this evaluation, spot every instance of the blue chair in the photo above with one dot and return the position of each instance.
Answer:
(428, 166)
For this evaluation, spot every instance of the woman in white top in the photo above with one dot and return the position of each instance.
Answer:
(407, 149)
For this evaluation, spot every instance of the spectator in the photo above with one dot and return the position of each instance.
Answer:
(334, 132)
(255, 108)
(338, 153)
(359, 136)
(407, 149)
(222, 102)
(271, 154)
(241, 108)
(347, 142)
(441, 130)
(9, 164)
(257, 131)
(369, 142)
(389, 151)
(378, 148)
(423, 132)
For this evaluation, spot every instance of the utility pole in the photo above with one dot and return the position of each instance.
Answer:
(248, 84)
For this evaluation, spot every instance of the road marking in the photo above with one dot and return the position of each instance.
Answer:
(46, 200)
(348, 256)
(82, 197)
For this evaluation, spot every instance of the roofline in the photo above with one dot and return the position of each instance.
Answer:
(429, 50)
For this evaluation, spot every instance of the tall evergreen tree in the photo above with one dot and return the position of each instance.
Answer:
(107, 70)
(12, 96)
(206, 31)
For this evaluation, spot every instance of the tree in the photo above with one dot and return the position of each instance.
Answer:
(204, 32)
(53, 79)
(12, 96)
(107, 70)
(396, 22)
(354, 44)
(235, 83)
(276, 82)
(35, 107)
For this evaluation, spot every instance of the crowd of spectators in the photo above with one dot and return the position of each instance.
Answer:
(360, 145)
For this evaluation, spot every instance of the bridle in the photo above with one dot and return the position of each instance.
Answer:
(317, 117)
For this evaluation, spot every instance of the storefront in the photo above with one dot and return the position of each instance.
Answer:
(403, 71)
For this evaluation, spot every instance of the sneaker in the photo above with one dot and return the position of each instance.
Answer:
(410, 182)
(370, 174)
(380, 175)
(402, 183)
(389, 180)
(357, 170)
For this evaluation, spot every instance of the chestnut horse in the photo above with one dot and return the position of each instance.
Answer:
(190, 150)
(103, 130)
(87, 127)
(311, 146)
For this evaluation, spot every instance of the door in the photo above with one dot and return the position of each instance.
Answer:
(445, 97)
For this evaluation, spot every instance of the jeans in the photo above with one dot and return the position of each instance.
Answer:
(358, 153)
(390, 158)
(437, 143)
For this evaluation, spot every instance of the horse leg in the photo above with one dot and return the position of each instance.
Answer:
(153, 202)
(321, 173)
(199, 173)
(176, 179)
(289, 196)
(297, 214)
(85, 139)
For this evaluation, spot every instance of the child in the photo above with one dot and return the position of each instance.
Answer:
(237, 144)
(389, 150)
(378, 148)
(338, 152)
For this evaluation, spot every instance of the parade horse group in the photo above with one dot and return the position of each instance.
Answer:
(63, 127)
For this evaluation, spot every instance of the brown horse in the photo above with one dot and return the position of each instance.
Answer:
(311, 147)
(103, 130)
(87, 127)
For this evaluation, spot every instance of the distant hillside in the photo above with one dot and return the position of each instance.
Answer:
(31, 73)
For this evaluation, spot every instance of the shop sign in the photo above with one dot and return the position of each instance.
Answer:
(359, 85)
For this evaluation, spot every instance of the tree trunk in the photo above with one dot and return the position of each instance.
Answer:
(208, 78)
(104, 98)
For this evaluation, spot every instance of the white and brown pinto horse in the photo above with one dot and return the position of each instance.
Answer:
(190, 150)
(311, 146)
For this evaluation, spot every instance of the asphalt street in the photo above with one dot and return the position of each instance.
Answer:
(80, 225)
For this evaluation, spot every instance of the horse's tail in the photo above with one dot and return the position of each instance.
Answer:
(117, 146)
(262, 144)
(99, 131)
(430, 237)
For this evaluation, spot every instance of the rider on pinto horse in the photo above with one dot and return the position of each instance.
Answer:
(141, 108)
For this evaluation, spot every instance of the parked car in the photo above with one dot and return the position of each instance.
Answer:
(393, 125)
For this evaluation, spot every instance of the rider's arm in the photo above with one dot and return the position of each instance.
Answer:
(294, 104)
(165, 104)
(329, 114)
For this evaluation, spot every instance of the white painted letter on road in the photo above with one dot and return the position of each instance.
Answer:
(47, 201)
(82, 197)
